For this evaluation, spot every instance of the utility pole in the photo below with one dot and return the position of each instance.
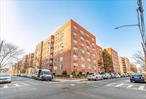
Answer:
(142, 26)
(1, 45)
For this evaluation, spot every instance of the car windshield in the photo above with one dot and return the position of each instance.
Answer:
(46, 73)
(137, 74)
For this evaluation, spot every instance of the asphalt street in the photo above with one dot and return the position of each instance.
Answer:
(25, 88)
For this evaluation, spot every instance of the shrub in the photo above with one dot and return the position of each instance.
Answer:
(64, 73)
(80, 74)
(74, 74)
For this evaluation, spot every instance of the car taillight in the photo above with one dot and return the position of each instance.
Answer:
(142, 77)
(132, 77)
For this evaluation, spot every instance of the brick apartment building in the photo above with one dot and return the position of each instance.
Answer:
(47, 53)
(115, 59)
(99, 58)
(71, 48)
(74, 49)
(38, 55)
(25, 65)
(124, 65)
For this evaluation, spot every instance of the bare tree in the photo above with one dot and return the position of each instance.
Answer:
(9, 54)
(139, 58)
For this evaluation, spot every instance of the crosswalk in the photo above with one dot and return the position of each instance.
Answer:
(22, 84)
(131, 86)
(13, 85)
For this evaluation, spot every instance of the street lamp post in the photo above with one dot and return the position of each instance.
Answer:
(141, 26)
(1, 45)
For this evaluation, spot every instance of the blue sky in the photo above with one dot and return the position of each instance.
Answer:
(27, 22)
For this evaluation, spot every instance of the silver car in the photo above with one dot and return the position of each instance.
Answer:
(5, 77)
(94, 76)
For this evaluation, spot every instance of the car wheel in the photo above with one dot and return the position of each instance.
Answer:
(50, 79)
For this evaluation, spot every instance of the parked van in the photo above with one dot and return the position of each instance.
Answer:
(44, 74)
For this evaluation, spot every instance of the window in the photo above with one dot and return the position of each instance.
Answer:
(94, 61)
(51, 62)
(82, 45)
(88, 60)
(74, 27)
(82, 38)
(61, 51)
(83, 66)
(89, 67)
(88, 48)
(88, 54)
(61, 59)
(75, 49)
(75, 36)
(75, 58)
(92, 44)
(87, 42)
(49, 42)
(75, 41)
(82, 59)
(87, 35)
(82, 33)
(94, 55)
(82, 52)
(61, 45)
(93, 39)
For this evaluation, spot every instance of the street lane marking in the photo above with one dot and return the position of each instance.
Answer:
(129, 86)
(25, 84)
(141, 88)
(119, 85)
(72, 84)
(5, 86)
(17, 85)
(110, 84)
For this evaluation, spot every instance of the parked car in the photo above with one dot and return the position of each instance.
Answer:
(94, 76)
(106, 75)
(29, 75)
(5, 77)
(138, 77)
(123, 75)
(117, 75)
(112, 75)
(23, 75)
(44, 74)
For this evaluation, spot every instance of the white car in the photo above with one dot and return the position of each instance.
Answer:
(5, 77)
(94, 76)
(117, 75)
(106, 75)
